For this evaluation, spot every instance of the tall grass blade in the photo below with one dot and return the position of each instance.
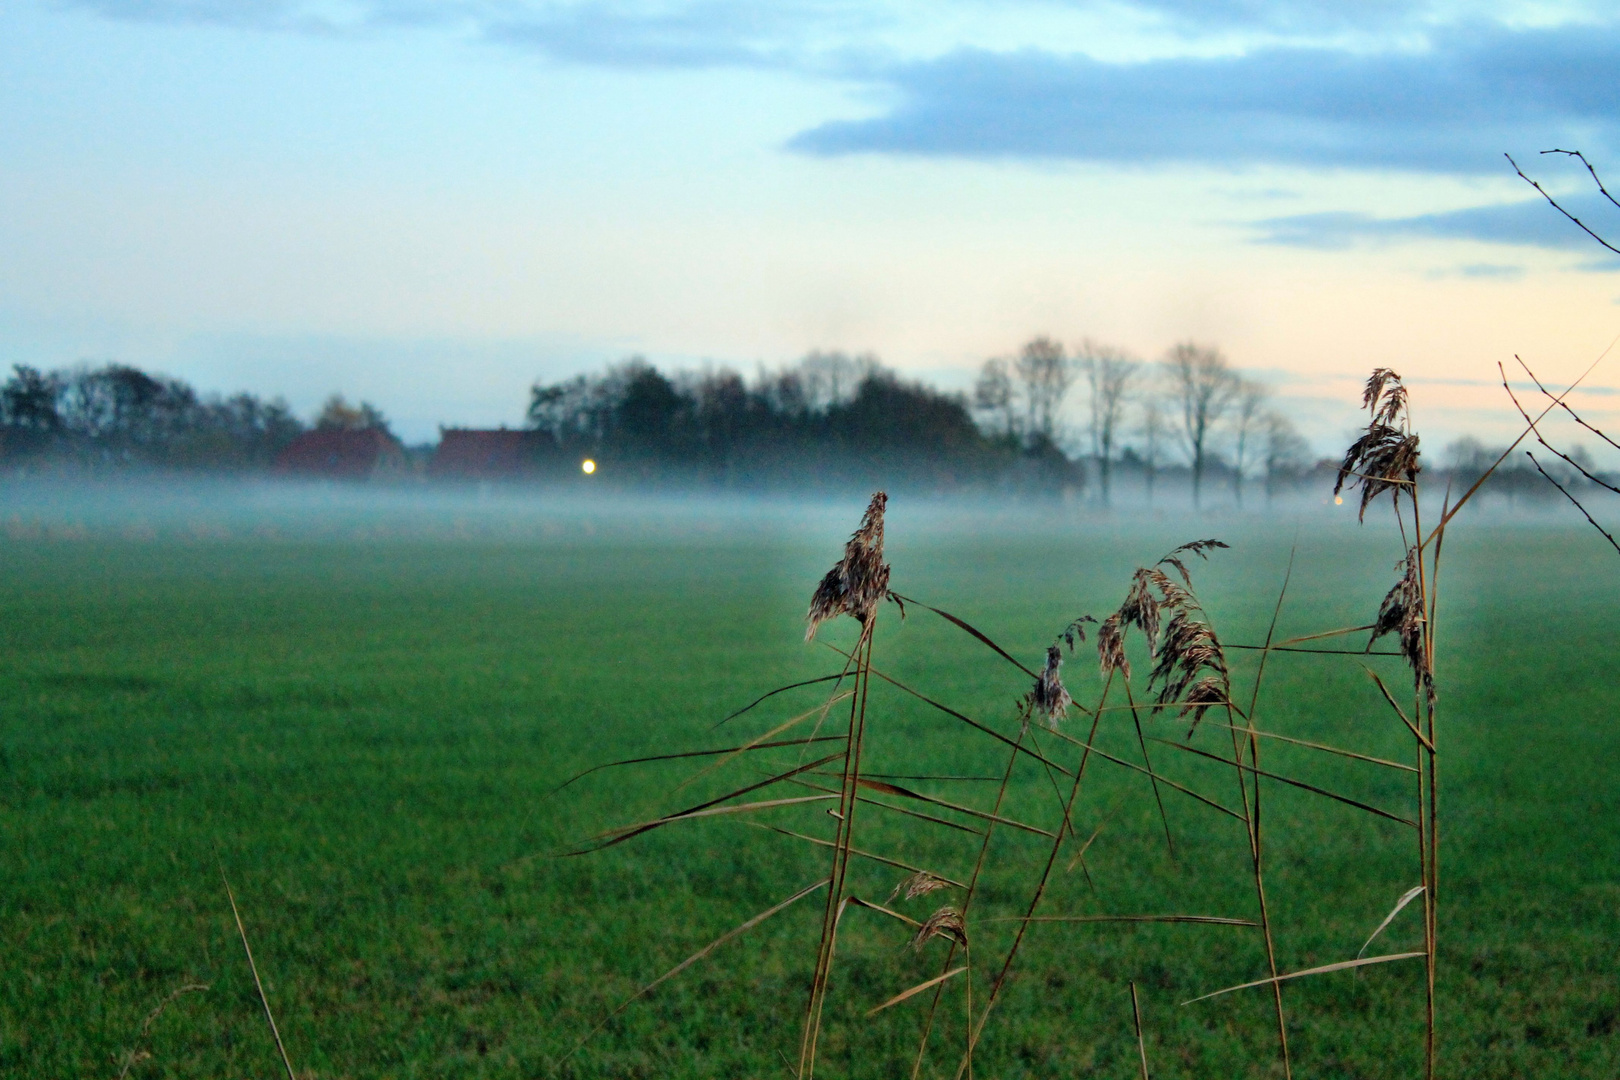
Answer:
(1347, 800)
(855, 901)
(134, 1053)
(735, 931)
(948, 711)
(626, 832)
(972, 890)
(1210, 920)
(1206, 800)
(692, 754)
(713, 811)
(905, 793)
(975, 1030)
(819, 712)
(1400, 712)
(779, 690)
(1141, 1044)
(1486, 475)
(1147, 762)
(1406, 898)
(948, 617)
(1340, 632)
(919, 988)
(958, 826)
(896, 863)
(259, 984)
(1343, 965)
(1314, 746)
(1085, 847)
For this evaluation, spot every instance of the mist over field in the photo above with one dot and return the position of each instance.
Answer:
(358, 702)
(181, 508)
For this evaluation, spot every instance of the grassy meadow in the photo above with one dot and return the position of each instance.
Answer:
(363, 726)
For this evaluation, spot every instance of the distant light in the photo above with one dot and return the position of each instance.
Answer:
(589, 467)
(1338, 500)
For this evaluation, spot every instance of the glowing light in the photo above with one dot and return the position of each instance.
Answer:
(1338, 500)
(588, 466)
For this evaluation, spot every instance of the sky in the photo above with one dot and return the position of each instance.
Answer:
(431, 204)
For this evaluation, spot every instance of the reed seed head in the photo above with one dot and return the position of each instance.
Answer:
(1385, 457)
(1111, 647)
(1190, 649)
(946, 923)
(919, 884)
(860, 580)
(1385, 408)
(1205, 694)
(1401, 614)
(1048, 697)
(1190, 665)
(1076, 632)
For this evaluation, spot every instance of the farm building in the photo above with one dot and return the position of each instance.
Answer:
(483, 454)
(342, 454)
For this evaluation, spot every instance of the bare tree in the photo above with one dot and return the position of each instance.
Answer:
(832, 378)
(1151, 429)
(1109, 374)
(1201, 389)
(993, 396)
(1248, 408)
(1045, 375)
(1286, 451)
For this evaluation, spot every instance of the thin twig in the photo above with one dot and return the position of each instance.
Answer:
(1560, 209)
(1595, 178)
(1543, 441)
(1572, 499)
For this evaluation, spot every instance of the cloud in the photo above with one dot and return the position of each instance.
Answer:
(614, 33)
(1313, 83)
(1451, 107)
(705, 34)
(1525, 223)
(325, 18)
(1288, 15)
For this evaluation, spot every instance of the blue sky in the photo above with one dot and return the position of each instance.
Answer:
(432, 203)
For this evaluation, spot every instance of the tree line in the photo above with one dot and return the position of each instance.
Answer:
(830, 419)
(117, 416)
(841, 418)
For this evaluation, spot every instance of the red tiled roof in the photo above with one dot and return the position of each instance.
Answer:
(472, 453)
(341, 454)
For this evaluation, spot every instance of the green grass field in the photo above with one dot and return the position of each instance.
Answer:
(363, 731)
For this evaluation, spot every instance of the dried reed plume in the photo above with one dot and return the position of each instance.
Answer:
(945, 923)
(1385, 457)
(1190, 665)
(919, 884)
(1401, 613)
(1190, 649)
(1048, 697)
(860, 580)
